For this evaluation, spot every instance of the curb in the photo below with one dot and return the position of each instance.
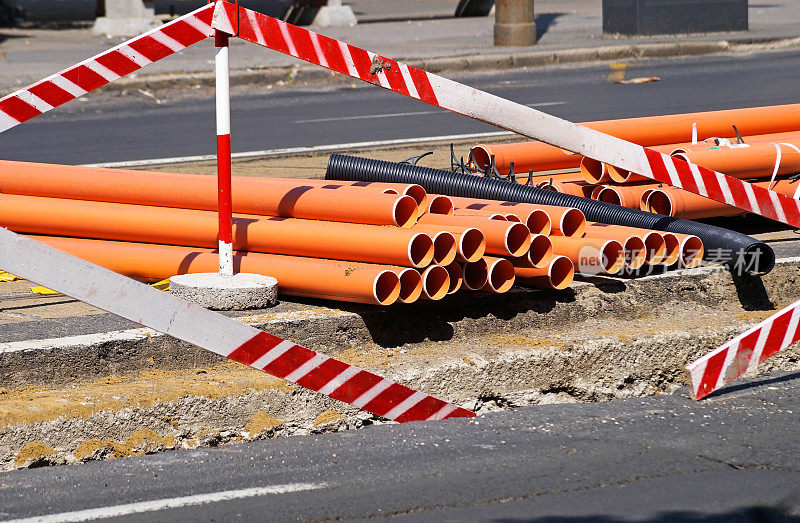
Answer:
(480, 62)
(90, 356)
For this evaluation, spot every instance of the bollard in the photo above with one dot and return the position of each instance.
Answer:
(514, 23)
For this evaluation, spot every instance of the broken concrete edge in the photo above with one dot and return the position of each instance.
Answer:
(331, 330)
(478, 62)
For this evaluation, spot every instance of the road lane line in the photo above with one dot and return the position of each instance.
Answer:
(271, 153)
(170, 503)
(392, 115)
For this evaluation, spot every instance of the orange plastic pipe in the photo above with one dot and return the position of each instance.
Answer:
(756, 161)
(307, 277)
(439, 204)
(630, 238)
(558, 274)
(475, 274)
(489, 215)
(456, 274)
(502, 237)
(187, 191)
(590, 255)
(404, 189)
(470, 241)
(444, 247)
(539, 255)
(579, 188)
(626, 195)
(566, 221)
(675, 202)
(410, 285)
(500, 277)
(435, 282)
(594, 171)
(647, 131)
(692, 251)
(672, 249)
(140, 223)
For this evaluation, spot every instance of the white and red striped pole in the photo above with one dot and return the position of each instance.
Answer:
(222, 79)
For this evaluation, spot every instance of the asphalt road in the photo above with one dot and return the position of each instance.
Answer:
(108, 128)
(732, 457)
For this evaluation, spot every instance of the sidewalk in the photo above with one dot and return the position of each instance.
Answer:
(569, 31)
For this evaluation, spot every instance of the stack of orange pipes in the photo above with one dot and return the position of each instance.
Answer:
(319, 239)
(766, 153)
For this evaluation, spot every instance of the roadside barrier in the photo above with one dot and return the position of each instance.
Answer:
(212, 331)
(104, 68)
(744, 352)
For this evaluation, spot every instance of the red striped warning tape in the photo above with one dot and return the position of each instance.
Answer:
(105, 67)
(744, 352)
(447, 94)
(217, 333)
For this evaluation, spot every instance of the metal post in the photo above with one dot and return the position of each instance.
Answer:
(514, 23)
(223, 154)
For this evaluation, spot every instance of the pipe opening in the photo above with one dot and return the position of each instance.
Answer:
(644, 200)
(691, 252)
(635, 252)
(440, 205)
(518, 239)
(406, 211)
(476, 274)
(593, 171)
(541, 251)
(538, 222)
(386, 288)
(501, 275)
(499, 217)
(421, 250)
(672, 248)
(618, 174)
(418, 193)
(756, 259)
(657, 250)
(595, 191)
(456, 274)
(444, 248)
(609, 195)
(573, 223)
(410, 285)
(472, 245)
(435, 282)
(561, 272)
(512, 218)
(481, 156)
(613, 257)
(659, 202)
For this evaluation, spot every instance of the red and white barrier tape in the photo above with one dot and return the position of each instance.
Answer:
(744, 352)
(105, 67)
(447, 94)
(217, 333)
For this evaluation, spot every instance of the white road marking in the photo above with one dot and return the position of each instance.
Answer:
(269, 153)
(392, 115)
(171, 503)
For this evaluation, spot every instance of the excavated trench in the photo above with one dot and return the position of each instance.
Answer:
(75, 399)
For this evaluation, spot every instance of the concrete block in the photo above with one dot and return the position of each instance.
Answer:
(237, 292)
(126, 18)
(335, 15)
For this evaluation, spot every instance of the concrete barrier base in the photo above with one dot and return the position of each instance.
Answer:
(237, 292)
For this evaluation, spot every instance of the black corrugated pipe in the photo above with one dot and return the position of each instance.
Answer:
(739, 251)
